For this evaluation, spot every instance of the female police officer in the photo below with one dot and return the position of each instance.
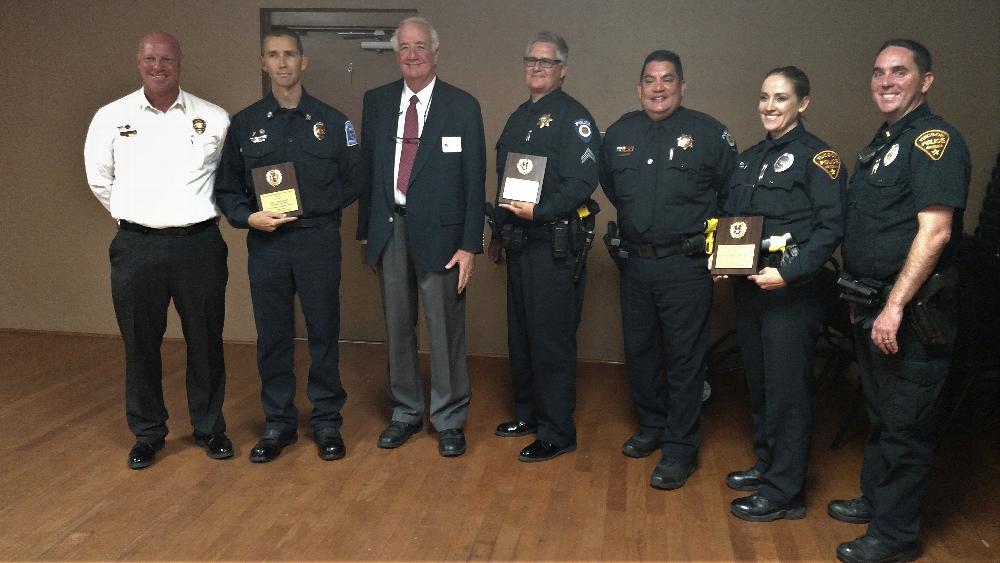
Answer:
(796, 182)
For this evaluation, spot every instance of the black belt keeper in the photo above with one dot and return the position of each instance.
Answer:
(168, 231)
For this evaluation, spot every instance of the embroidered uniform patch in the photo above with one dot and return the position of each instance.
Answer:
(933, 143)
(728, 138)
(351, 137)
(829, 162)
(583, 129)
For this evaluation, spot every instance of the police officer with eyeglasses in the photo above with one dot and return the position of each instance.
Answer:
(545, 284)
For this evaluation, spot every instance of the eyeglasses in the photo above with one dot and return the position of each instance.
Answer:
(545, 63)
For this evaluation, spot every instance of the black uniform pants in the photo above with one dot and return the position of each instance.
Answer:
(903, 395)
(543, 314)
(147, 271)
(777, 333)
(304, 261)
(670, 299)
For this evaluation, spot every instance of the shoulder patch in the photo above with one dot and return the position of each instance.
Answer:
(933, 143)
(829, 162)
(350, 136)
(728, 138)
(583, 129)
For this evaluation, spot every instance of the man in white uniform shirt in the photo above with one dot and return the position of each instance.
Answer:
(151, 158)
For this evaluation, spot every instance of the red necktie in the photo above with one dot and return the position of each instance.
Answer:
(409, 151)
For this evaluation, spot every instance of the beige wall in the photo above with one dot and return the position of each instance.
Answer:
(63, 60)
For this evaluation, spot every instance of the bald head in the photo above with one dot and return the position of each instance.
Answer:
(159, 61)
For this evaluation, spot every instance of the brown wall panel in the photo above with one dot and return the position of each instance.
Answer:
(65, 59)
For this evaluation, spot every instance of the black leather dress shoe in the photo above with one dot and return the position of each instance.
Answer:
(515, 428)
(269, 447)
(217, 446)
(641, 445)
(671, 474)
(853, 511)
(143, 454)
(451, 442)
(329, 443)
(869, 549)
(397, 433)
(540, 450)
(757, 508)
(747, 480)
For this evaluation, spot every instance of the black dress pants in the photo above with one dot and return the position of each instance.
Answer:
(303, 260)
(543, 314)
(665, 308)
(777, 334)
(147, 271)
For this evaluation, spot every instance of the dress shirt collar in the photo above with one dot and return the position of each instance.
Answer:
(423, 96)
(794, 133)
(143, 103)
(888, 132)
(307, 106)
(544, 101)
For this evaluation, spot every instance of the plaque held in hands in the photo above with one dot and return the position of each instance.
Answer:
(522, 178)
(277, 189)
(737, 246)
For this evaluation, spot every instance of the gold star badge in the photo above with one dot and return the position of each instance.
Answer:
(544, 120)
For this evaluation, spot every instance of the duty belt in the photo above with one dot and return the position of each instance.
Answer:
(654, 250)
(168, 231)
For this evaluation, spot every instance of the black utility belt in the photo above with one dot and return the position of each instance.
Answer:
(310, 222)
(168, 231)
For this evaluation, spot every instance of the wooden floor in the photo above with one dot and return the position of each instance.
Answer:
(66, 493)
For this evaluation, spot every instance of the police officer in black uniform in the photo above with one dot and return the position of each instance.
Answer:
(543, 299)
(289, 255)
(797, 183)
(664, 168)
(904, 222)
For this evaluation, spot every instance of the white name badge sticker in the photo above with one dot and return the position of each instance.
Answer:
(451, 144)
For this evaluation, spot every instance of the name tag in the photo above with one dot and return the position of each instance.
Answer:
(451, 144)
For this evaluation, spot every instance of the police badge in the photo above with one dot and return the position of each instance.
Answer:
(198, 124)
(685, 141)
(890, 155)
(319, 130)
(784, 162)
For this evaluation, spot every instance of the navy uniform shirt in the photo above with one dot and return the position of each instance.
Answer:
(559, 128)
(670, 174)
(797, 183)
(317, 138)
(914, 163)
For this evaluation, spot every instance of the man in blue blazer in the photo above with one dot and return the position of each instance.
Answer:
(422, 220)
